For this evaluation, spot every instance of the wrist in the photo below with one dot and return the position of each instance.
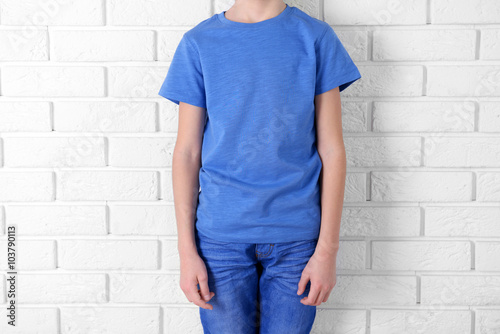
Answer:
(327, 249)
(187, 250)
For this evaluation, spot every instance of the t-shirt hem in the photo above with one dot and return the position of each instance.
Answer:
(342, 82)
(176, 98)
(302, 236)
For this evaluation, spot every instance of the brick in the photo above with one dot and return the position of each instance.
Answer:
(3, 287)
(388, 80)
(2, 220)
(167, 192)
(111, 319)
(182, 320)
(380, 221)
(108, 254)
(383, 151)
(25, 117)
(489, 117)
(145, 288)
(27, 44)
(170, 255)
(487, 255)
(61, 288)
(168, 40)
(54, 81)
(32, 255)
(487, 320)
(460, 12)
(42, 320)
(158, 12)
(354, 116)
(462, 221)
(396, 116)
(51, 13)
(86, 151)
(351, 255)
(50, 220)
(26, 186)
(463, 152)
(107, 185)
(97, 116)
(141, 152)
(142, 220)
(379, 290)
(488, 186)
(355, 42)
(420, 321)
(310, 7)
(355, 187)
(168, 115)
(421, 255)
(448, 80)
(403, 45)
(375, 12)
(421, 186)
(467, 290)
(490, 47)
(339, 321)
(136, 81)
(106, 45)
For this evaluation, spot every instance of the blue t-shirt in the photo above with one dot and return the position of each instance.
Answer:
(260, 170)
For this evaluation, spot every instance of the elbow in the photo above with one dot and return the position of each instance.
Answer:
(190, 154)
(334, 158)
(332, 152)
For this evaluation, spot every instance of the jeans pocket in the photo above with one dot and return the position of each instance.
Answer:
(306, 247)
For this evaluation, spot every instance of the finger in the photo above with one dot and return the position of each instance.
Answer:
(320, 298)
(209, 297)
(312, 296)
(302, 283)
(201, 303)
(195, 297)
(327, 296)
(204, 290)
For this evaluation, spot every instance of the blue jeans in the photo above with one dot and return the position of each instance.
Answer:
(255, 287)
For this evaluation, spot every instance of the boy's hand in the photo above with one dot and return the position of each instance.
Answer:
(194, 272)
(321, 270)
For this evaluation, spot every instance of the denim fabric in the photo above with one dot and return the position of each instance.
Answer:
(255, 287)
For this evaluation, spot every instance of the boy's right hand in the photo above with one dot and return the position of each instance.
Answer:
(194, 272)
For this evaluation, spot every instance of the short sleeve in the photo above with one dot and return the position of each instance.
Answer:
(334, 66)
(184, 80)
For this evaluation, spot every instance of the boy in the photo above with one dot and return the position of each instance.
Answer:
(260, 133)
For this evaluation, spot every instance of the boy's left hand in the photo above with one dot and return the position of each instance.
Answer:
(321, 271)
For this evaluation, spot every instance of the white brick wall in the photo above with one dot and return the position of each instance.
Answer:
(85, 165)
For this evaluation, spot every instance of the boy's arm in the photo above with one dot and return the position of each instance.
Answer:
(321, 268)
(186, 163)
(332, 179)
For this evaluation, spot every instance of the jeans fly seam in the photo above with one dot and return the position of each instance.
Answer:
(266, 254)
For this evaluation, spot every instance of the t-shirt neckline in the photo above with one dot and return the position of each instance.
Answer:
(222, 18)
